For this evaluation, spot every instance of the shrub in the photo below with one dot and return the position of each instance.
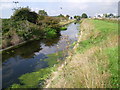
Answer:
(63, 28)
(50, 33)
(84, 15)
(42, 13)
(25, 14)
(15, 39)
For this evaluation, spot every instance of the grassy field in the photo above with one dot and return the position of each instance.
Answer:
(94, 63)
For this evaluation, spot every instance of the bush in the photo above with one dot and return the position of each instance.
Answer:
(15, 39)
(50, 22)
(63, 28)
(25, 14)
(42, 13)
(50, 33)
(84, 15)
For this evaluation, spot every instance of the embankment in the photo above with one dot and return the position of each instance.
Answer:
(62, 23)
(93, 63)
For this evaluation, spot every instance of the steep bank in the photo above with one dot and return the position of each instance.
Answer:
(37, 58)
(38, 33)
(94, 62)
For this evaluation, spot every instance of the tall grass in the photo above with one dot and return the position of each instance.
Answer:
(94, 62)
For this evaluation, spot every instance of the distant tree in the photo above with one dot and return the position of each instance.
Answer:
(105, 15)
(77, 17)
(25, 14)
(67, 16)
(42, 13)
(110, 15)
(98, 16)
(60, 15)
(84, 15)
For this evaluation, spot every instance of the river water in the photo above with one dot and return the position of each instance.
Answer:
(29, 57)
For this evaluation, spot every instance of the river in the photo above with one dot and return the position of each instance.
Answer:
(29, 57)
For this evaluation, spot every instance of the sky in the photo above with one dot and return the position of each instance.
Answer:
(53, 7)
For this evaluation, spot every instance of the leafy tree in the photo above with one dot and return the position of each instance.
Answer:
(60, 15)
(105, 15)
(110, 15)
(98, 16)
(42, 13)
(25, 14)
(84, 15)
(51, 22)
(77, 17)
(67, 16)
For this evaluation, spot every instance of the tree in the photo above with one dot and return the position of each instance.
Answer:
(25, 14)
(105, 15)
(110, 15)
(84, 15)
(60, 15)
(42, 13)
(67, 16)
(77, 17)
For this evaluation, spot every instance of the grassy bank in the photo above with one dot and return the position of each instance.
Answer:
(94, 62)
(25, 31)
(62, 23)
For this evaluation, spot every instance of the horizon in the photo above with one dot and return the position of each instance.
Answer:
(68, 8)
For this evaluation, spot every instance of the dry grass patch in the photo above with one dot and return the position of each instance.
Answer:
(93, 66)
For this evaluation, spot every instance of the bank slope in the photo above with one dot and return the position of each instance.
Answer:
(94, 62)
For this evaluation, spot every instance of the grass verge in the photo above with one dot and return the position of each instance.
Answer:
(94, 63)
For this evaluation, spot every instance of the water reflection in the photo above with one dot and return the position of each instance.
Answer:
(15, 67)
(29, 57)
(28, 49)
(17, 62)
(51, 42)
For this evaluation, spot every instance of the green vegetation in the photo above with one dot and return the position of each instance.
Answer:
(24, 14)
(67, 16)
(63, 28)
(77, 18)
(27, 25)
(36, 79)
(84, 15)
(52, 60)
(95, 60)
(105, 28)
(113, 66)
(42, 13)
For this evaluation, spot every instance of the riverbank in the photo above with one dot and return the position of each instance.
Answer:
(63, 23)
(37, 63)
(93, 63)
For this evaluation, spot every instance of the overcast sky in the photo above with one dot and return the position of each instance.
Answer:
(70, 7)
